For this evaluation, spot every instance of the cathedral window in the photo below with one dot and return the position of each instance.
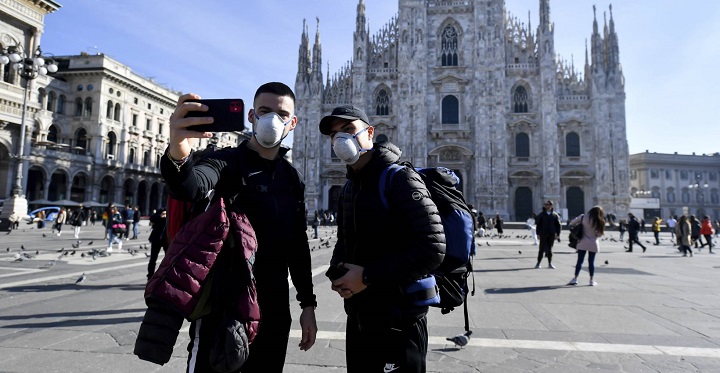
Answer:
(449, 45)
(671, 195)
(112, 143)
(60, 104)
(572, 145)
(118, 111)
(88, 107)
(655, 192)
(382, 103)
(520, 100)
(51, 101)
(450, 110)
(52, 134)
(109, 110)
(131, 156)
(714, 197)
(654, 174)
(685, 196)
(78, 107)
(683, 175)
(81, 138)
(522, 145)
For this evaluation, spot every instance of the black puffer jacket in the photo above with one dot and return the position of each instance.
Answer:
(397, 245)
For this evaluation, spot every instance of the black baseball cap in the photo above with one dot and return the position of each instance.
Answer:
(348, 112)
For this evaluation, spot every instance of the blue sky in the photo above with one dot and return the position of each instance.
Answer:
(227, 48)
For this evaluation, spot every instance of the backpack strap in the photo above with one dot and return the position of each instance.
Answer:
(386, 182)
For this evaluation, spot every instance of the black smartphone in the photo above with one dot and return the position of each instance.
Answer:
(335, 272)
(229, 115)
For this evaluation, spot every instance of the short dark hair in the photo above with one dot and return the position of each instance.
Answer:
(276, 88)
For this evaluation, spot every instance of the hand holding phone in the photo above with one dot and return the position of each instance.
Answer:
(228, 115)
(335, 272)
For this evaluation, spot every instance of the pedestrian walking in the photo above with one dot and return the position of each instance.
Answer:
(128, 215)
(633, 230)
(157, 238)
(499, 224)
(77, 219)
(116, 228)
(706, 230)
(60, 220)
(671, 222)
(136, 222)
(548, 229)
(656, 229)
(481, 222)
(683, 232)
(695, 232)
(593, 224)
(622, 227)
(533, 228)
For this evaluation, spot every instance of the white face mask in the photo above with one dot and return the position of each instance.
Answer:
(347, 148)
(269, 129)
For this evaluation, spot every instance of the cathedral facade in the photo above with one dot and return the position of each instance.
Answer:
(464, 85)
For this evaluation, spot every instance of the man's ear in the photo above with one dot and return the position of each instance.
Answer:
(371, 132)
(293, 123)
(251, 115)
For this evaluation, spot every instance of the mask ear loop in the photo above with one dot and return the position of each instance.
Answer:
(362, 150)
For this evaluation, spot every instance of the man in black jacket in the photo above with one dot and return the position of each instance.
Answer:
(269, 191)
(633, 230)
(548, 229)
(383, 250)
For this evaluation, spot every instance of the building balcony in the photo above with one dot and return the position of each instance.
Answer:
(461, 131)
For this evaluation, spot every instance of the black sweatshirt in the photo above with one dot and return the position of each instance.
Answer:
(271, 194)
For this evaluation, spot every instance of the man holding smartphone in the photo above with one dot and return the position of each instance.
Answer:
(269, 191)
(383, 250)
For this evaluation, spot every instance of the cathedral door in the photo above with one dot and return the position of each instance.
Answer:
(523, 203)
(575, 202)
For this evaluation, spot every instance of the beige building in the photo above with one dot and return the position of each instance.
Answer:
(681, 184)
(95, 130)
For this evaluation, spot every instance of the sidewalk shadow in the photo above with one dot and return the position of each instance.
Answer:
(529, 289)
(72, 319)
(70, 286)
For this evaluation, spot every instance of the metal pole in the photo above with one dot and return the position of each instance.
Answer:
(18, 190)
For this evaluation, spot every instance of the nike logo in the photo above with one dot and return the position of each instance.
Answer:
(390, 367)
(254, 173)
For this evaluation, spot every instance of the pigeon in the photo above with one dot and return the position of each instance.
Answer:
(65, 253)
(61, 250)
(82, 278)
(72, 253)
(460, 340)
(44, 235)
(22, 247)
(519, 252)
(147, 255)
(75, 246)
(37, 252)
(82, 255)
(18, 258)
(606, 262)
(487, 243)
(51, 264)
(90, 243)
(132, 252)
(8, 249)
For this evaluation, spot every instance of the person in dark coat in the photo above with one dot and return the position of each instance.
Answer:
(157, 238)
(548, 229)
(383, 249)
(633, 229)
(499, 224)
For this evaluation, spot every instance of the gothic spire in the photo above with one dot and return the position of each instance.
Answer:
(304, 53)
(317, 54)
(545, 24)
(360, 18)
(596, 46)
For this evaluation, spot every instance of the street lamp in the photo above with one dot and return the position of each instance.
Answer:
(29, 68)
(641, 193)
(699, 187)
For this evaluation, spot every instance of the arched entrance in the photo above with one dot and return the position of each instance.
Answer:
(523, 203)
(107, 189)
(35, 184)
(142, 197)
(128, 192)
(155, 192)
(575, 198)
(77, 190)
(58, 186)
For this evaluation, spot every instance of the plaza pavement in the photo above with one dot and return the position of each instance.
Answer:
(651, 312)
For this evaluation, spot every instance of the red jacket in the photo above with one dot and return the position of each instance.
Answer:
(706, 228)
